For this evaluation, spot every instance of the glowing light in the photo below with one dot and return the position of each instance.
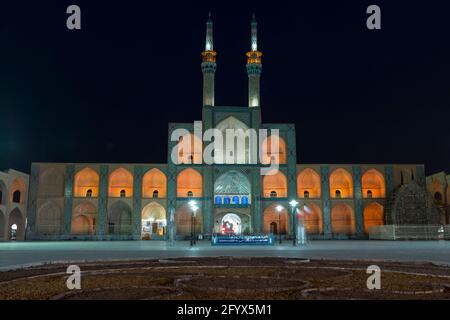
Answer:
(293, 203)
(279, 208)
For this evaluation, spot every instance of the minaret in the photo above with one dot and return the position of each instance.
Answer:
(254, 67)
(208, 65)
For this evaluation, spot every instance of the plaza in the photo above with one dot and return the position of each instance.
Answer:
(16, 254)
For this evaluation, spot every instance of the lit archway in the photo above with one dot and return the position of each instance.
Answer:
(184, 221)
(232, 187)
(341, 184)
(49, 219)
(373, 216)
(342, 219)
(189, 149)
(154, 184)
(373, 184)
(154, 220)
(51, 184)
(189, 183)
(275, 185)
(84, 219)
(86, 183)
(18, 191)
(313, 218)
(16, 225)
(272, 217)
(270, 153)
(308, 184)
(119, 219)
(121, 184)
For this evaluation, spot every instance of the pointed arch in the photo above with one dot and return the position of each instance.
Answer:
(275, 185)
(313, 218)
(189, 181)
(341, 184)
(184, 221)
(154, 180)
(18, 191)
(342, 219)
(51, 183)
(49, 219)
(86, 180)
(308, 183)
(275, 221)
(373, 185)
(269, 151)
(238, 149)
(154, 221)
(16, 218)
(373, 216)
(121, 183)
(119, 219)
(84, 219)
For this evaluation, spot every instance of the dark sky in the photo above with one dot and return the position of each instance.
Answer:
(106, 93)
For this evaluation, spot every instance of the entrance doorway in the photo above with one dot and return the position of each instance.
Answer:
(231, 224)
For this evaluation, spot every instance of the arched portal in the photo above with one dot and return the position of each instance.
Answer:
(342, 219)
(185, 220)
(232, 187)
(373, 184)
(49, 219)
(273, 150)
(119, 219)
(313, 218)
(273, 216)
(18, 191)
(341, 184)
(275, 185)
(154, 221)
(16, 218)
(373, 216)
(236, 148)
(154, 184)
(231, 224)
(308, 184)
(121, 183)
(86, 183)
(84, 219)
(189, 183)
(51, 184)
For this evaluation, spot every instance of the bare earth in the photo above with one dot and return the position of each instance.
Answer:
(229, 278)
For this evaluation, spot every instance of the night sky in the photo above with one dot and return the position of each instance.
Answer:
(106, 93)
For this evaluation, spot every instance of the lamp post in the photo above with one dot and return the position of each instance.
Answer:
(293, 204)
(279, 209)
(194, 208)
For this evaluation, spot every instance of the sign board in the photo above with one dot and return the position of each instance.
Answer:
(237, 240)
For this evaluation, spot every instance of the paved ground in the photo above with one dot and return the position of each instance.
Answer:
(14, 254)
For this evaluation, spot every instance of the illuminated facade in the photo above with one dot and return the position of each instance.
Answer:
(13, 204)
(150, 201)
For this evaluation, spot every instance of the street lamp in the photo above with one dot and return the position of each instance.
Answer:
(293, 204)
(279, 209)
(194, 208)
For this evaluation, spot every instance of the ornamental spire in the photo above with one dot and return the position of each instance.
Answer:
(254, 39)
(209, 34)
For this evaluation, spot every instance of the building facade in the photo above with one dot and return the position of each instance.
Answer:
(100, 201)
(13, 204)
